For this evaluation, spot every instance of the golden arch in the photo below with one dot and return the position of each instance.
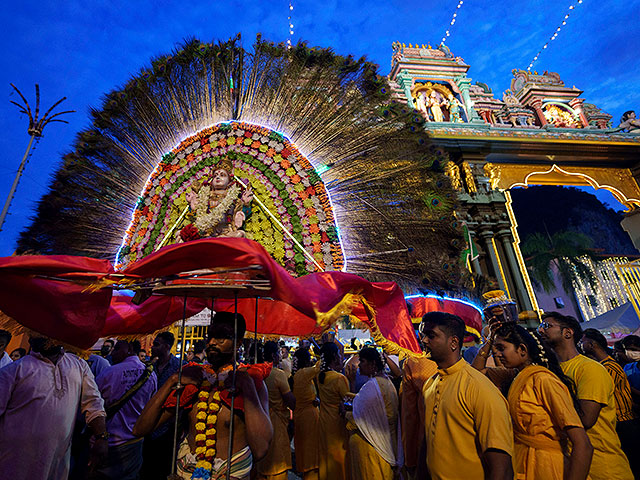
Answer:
(619, 181)
(429, 87)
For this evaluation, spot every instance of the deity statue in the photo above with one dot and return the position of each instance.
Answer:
(421, 105)
(454, 109)
(629, 123)
(218, 207)
(434, 105)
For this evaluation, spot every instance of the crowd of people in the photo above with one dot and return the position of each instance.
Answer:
(551, 403)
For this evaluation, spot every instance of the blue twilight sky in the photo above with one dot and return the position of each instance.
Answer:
(82, 50)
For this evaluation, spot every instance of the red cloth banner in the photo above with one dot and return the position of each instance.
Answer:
(49, 294)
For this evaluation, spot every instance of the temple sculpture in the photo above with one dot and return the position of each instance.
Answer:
(540, 132)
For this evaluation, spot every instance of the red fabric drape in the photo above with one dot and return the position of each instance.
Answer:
(66, 311)
(471, 316)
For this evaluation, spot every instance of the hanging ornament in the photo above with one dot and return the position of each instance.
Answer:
(555, 34)
(451, 23)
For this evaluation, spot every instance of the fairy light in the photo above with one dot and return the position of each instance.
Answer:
(290, 22)
(555, 34)
(453, 21)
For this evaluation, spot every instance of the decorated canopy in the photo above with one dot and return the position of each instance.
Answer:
(71, 299)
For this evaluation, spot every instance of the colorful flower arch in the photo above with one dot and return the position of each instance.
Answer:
(281, 177)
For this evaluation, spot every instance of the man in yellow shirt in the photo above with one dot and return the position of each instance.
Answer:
(468, 431)
(595, 392)
(275, 464)
(415, 372)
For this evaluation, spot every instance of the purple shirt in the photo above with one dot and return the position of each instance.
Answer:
(113, 383)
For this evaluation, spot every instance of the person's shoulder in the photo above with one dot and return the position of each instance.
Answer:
(479, 381)
(588, 365)
(76, 361)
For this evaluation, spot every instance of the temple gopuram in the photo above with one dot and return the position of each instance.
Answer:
(541, 132)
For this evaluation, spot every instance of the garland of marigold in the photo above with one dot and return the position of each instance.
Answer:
(207, 414)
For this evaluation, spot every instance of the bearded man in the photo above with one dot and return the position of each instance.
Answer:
(206, 400)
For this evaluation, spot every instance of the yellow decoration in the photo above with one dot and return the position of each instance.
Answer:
(200, 437)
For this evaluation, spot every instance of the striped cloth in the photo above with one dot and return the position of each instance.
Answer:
(621, 391)
(241, 463)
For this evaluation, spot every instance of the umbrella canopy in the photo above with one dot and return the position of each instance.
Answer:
(72, 299)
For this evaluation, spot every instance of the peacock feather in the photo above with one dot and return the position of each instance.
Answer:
(348, 170)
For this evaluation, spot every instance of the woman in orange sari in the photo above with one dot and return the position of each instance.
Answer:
(305, 415)
(334, 437)
(542, 404)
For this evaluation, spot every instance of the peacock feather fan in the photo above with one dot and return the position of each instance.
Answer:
(349, 171)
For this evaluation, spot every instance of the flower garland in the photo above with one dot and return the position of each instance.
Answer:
(281, 177)
(207, 219)
(206, 417)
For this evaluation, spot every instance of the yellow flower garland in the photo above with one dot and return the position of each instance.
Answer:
(206, 416)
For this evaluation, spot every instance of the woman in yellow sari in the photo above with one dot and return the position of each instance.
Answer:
(305, 416)
(542, 404)
(373, 445)
(334, 438)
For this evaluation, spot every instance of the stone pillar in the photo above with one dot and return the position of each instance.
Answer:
(507, 244)
(463, 84)
(475, 263)
(537, 106)
(405, 81)
(487, 237)
(576, 104)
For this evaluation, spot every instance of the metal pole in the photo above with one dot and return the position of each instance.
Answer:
(178, 392)
(233, 382)
(15, 183)
(255, 334)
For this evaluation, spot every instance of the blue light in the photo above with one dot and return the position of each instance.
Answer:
(321, 169)
(447, 298)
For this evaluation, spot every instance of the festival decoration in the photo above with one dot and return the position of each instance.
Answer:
(347, 171)
(470, 313)
(451, 23)
(499, 307)
(76, 306)
(290, 29)
(206, 417)
(555, 34)
(286, 183)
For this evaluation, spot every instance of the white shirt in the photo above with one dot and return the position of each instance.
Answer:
(39, 402)
(5, 360)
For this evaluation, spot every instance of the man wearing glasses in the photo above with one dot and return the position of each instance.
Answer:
(594, 389)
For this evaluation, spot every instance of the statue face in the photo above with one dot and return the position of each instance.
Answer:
(220, 179)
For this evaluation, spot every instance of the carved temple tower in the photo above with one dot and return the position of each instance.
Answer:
(540, 133)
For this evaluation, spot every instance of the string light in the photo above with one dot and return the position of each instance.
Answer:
(290, 22)
(555, 34)
(453, 21)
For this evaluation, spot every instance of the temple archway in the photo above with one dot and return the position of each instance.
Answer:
(619, 181)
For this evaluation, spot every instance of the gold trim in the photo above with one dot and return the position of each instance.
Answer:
(516, 248)
(388, 346)
(436, 135)
(619, 181)
(504, 278)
